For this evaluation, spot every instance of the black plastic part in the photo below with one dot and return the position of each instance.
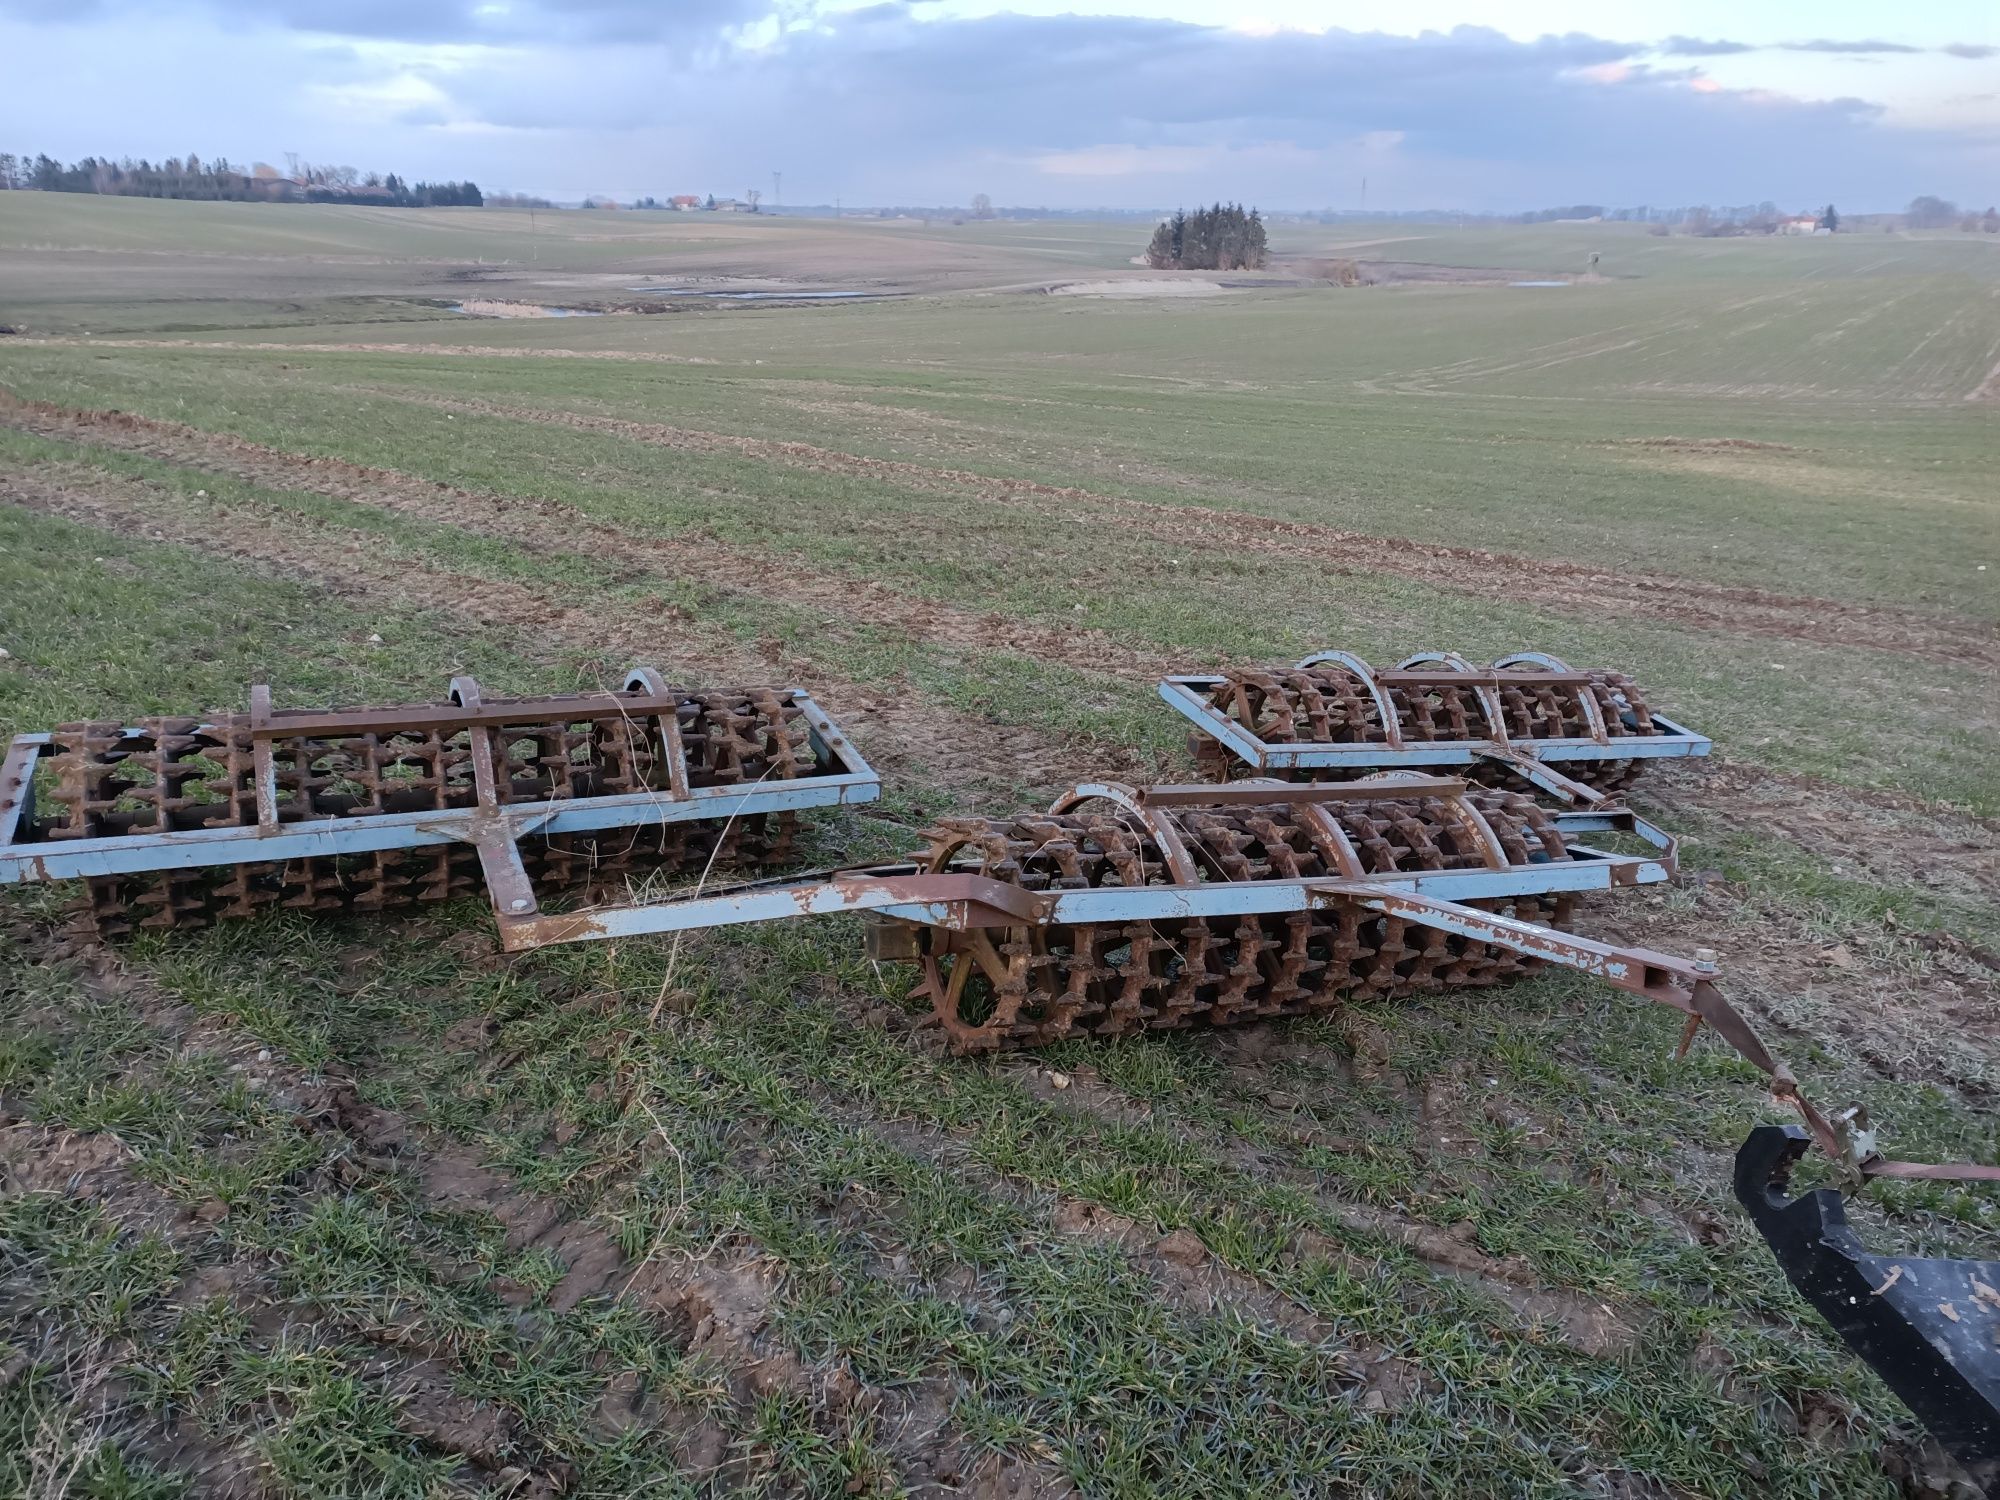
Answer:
(1929, 1328)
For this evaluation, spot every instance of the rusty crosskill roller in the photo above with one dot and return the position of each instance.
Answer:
(1027, 986)
(182, 822)
(1583, 737)
(1126, 909)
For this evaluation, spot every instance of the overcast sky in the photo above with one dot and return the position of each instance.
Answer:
(1286, 103)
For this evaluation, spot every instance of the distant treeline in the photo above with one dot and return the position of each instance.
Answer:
(219, 179)
(1925, 212)
(1221, 238)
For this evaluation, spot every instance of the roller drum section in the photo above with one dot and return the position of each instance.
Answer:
(179, 822)
(1582, 737)
(1028, 985)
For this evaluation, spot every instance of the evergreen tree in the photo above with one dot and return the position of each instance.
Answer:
(1221, 237)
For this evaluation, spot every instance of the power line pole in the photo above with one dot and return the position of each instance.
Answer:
(777, 191)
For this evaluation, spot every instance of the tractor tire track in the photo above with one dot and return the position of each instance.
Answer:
(541, 523)
(1554, 584)
(940, 745)
(721, 1307)
(1584, 592)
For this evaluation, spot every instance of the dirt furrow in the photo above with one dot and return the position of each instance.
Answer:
(943, 747)
(1556, 584)
(1552, 583)
(550, 523)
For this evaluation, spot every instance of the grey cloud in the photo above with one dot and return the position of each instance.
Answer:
(1694, 46)
(884, 107)
(876, 106)
(513, 21)
(1857, 48)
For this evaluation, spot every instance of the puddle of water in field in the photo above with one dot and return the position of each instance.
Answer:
(1538, 283)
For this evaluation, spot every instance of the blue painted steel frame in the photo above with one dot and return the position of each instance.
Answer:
(186, 849)
(1183, 695)
(905, 893)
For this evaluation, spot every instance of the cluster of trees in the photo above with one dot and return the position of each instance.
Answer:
(711, 205)
(1646, 213)
(1925, 212)
(1928, 212)
(219, 179)
(172, 178)
(1766, 219)
(1219, 238)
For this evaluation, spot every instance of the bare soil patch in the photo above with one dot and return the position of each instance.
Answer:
(1987, 389)
(94, 1168)
(1879, 837)
(1707, 445)
(1133, 288)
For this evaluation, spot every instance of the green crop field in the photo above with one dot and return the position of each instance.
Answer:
(329, 1208)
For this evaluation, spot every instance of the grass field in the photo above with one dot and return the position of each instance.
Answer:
(328, 1209)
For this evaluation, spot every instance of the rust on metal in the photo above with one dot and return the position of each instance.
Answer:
(1438, 698)
(1260, 793)
(1032, 983)
(274, 770)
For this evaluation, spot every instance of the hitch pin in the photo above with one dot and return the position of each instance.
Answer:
(1704, 963)
(1857, 1143)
